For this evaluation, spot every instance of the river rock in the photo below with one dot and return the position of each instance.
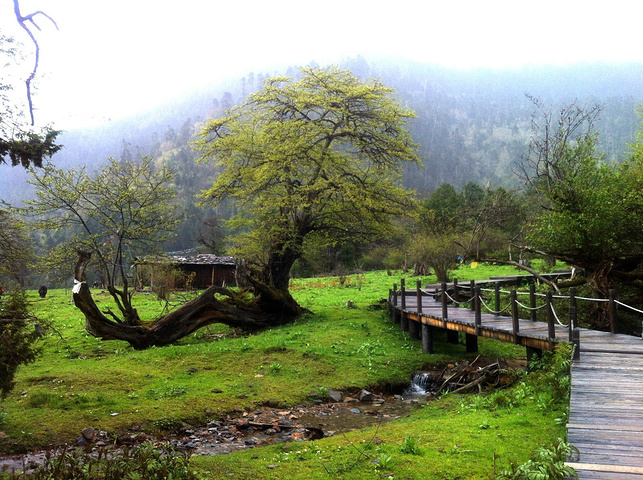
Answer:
(88, 434)
(365, 396)
(335, 395)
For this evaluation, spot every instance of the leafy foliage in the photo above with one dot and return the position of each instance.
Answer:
(18, 335)
(593, 210)
(123, 210)
(320, 157)
(546, 463)
(146, 462)
(15, 247)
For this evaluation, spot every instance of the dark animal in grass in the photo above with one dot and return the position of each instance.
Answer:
(42, 291)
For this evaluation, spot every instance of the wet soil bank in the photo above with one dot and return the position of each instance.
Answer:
(268, 425)
(247, 429)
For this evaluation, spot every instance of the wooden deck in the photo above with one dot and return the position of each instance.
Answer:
(606, 405)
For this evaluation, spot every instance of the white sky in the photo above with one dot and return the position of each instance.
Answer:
(111, 58)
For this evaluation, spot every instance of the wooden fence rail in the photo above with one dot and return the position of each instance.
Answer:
(436, 307)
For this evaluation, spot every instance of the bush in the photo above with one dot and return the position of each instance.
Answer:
(19, 332)
(544, 464)
(143, 463)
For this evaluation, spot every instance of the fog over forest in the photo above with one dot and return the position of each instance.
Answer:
(471, 125)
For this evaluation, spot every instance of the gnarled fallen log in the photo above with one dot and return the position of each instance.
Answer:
(268, 307)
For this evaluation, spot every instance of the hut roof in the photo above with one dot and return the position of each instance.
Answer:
(198, 259)
(202, 259)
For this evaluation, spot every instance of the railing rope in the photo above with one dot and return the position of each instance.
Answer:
(494, 312)
(531, 309)
(627, 306)
(397, 300)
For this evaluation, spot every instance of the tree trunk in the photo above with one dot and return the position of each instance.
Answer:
(278, 269)
(269, 307)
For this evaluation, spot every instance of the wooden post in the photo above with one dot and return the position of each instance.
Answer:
(395, 294)
(427, 338)
(471, 342)
(445, 312)
(533, 354)
(612, 310)
(414, 329)
(396, 312)
(572, 312)
(514, 317)
(472, 292)
(576, 343)
(550, 315)
(497, 298)
(403, 294)
(456, 292)
(404, 321)
(532, 302)
(419, 298)
(478, 307)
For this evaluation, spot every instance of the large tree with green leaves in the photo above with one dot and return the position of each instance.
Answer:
(591, 210)
(315, 157)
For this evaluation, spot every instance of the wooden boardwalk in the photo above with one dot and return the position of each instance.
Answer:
(606, 405)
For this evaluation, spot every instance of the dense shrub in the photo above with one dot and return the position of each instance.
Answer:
(146, 462)
(18, 334)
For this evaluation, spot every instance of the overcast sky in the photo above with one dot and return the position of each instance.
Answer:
(111, 58)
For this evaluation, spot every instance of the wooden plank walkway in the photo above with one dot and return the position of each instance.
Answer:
(606, 405)
(530, 334)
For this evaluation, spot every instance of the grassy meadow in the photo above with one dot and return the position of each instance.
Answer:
(80, 381)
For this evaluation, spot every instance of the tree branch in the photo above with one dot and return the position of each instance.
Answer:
(526, 268)
(22, 21)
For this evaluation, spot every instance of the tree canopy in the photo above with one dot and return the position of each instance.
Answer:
(319, 156)
(123, 210)
(592, 210)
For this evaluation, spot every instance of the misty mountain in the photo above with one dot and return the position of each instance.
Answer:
(471, 125)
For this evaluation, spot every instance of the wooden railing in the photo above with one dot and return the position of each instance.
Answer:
(428, 301)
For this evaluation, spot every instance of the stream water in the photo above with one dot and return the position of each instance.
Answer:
(263, 426)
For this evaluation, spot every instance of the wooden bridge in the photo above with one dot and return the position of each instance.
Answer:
(606, 404)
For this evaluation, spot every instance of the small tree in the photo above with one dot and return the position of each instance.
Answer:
(440, 252)
(18, 334)
(15, 248)
(592, 211)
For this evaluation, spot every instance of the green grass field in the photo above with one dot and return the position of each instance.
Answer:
(81, 381)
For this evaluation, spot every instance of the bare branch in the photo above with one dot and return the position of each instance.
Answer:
(22, 21)
(526, 268)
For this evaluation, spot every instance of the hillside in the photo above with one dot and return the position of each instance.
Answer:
(471, 125)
